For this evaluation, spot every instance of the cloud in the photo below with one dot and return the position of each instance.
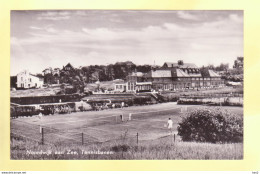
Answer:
(35, 28)
(51, 30)
(187, 15)
(57, 18)
(168, 32)
(236, 18)
(54, 15)
(83, 43)
(81, 13)
(48, 29)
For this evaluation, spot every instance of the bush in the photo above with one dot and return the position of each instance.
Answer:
(211, 125)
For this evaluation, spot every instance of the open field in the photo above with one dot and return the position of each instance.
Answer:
(35, 92)
(104, 129)
(54, 89)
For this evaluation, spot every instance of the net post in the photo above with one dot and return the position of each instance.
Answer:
(174, 138)
(82, 138)
(130, 116)
(42, 135)
(137, 138)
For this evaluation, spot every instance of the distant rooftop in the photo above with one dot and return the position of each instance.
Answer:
(177, 65)
(213, 73)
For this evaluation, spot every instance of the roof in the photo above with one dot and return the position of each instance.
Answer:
(161, 73)
(185, 65)
(180, 73)
(69, 65)
(36, 76)
(143, 83)
(47, 69)
(138, 74)
(120, 83)
(213, 73)
(195, 75)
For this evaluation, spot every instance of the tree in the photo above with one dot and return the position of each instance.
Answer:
(222, 67)
(211, 125)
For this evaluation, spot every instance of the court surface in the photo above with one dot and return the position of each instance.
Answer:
(149, 121)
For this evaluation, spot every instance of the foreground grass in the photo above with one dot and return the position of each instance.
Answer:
(163, 148)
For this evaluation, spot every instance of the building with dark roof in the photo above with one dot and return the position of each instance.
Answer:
(68, 67)
(174, 76)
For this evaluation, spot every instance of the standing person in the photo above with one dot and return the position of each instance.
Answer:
(40, 115)
(169, 125)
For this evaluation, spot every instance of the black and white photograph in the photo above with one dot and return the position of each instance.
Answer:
(126, 85)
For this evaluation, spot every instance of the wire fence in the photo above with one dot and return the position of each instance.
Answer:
(91, 131)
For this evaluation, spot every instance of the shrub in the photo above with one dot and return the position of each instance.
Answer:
(211, 125)
(120, 148)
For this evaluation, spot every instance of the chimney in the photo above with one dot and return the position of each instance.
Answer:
(180, 62)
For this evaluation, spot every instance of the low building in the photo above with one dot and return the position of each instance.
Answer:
(27, 80)
(143, 86)
(56, 72)
(120, 87)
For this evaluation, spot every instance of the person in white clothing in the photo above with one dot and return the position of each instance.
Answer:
(169, 125)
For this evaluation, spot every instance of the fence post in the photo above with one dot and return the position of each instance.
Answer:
(82, 138)
(174, 138)
(42, 135)
(130, 116)
(137, 138)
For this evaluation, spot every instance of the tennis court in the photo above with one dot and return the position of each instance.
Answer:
(102, 126)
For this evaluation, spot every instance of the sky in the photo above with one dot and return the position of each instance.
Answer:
(42, 39)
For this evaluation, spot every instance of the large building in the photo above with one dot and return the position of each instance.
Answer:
(174, 76)
(27, 80)
(171, 76)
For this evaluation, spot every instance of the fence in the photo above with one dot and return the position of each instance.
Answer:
(203, 95)
(47, 135)
(219, 101)
(45, 99)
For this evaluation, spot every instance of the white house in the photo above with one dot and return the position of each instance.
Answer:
(28, 80)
